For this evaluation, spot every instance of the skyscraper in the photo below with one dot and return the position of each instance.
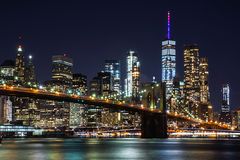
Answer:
(62, 68)
(30, 77)
(20, 66)
(203, 76)
(177, 98)
(58, 112)
(136, 82)
(101, 85)
(61, 74)
(79, 84)
(205, 108)
(132, 80)
(225, 109)
(113, 66)
(168, 61)
(191, 78)
(226, 98)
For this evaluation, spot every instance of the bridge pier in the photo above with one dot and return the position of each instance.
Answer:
(154, 125)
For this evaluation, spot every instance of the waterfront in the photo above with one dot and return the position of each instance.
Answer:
(125, 148)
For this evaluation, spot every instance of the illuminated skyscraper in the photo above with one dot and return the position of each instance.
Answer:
(168, 61)
(61, 74)
(136, 81)
(20, 66)
(191, 78)
(79, 86)
(132, 80)
(177, 98)
(101, 85)
(30, 77)
(226, 98)
(225, 109)
(58, 112)
(113, 66)
(203, 75)
(205, 108)
(62, 68)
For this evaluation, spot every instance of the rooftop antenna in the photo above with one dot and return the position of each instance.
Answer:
(168, 25)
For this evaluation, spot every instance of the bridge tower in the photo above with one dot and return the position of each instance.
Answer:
(154, 125)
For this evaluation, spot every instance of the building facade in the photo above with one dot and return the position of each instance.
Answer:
(30, 76)
(225, 115)
(192, 79)
(101, 85)
(113, 66)
(132, 81)
(62, 69)
(177, 98)
(168, 61)
(79, 84)
(19, 67)
(203, 77)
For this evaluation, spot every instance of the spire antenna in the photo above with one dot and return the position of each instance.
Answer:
(168, 25)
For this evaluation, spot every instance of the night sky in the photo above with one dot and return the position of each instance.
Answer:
(92, 31)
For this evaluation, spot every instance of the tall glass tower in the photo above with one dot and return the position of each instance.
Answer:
(132, 80)
(168, 61)
(113, 66)
(226, 98)
(19, 67)
(225, 115)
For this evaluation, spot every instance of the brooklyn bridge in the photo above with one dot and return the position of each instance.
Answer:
(153, 121)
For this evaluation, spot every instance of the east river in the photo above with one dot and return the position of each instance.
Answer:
(122, 148)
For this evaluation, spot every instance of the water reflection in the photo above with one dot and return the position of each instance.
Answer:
(61, 149)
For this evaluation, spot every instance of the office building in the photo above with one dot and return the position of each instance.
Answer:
(225, 115)
(113, 67)
(19, 67)
(177, 97)
(132, 81)
(205, 108)
(203, 77)
(79, 84)
(101, 85)
(62, 68)
(30, 77)
(168, 61)
(191, 79)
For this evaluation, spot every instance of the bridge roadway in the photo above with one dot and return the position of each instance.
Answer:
(147, 114)
(58, 96)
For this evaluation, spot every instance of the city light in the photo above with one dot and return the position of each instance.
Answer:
(68, 100)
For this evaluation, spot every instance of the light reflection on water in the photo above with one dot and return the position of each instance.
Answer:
(171, 149)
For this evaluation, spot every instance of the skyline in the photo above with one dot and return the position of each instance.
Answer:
(147, 42)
